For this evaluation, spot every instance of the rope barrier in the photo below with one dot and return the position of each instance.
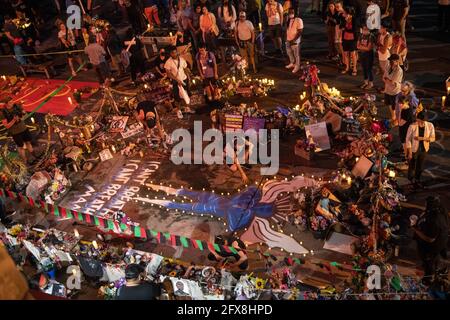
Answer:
(38, 54)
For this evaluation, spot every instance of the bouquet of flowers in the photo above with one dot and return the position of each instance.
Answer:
(319, 223)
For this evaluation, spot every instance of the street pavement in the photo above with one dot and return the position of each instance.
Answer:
(429, 54)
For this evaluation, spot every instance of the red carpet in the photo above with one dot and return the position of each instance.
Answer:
(32, 92)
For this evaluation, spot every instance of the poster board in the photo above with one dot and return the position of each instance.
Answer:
(362, 167)
(320, 135)
(254, 123)
(233, 122)
(105, 155)
(133, 130)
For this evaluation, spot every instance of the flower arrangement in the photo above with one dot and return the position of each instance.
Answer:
(319, 223)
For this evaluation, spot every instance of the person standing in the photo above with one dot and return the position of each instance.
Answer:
(366, 45)
(137, 60)
(400, 10)
(330, 22)
(16, 39)
(399, 47)
(207, 69)
(339, 18)
(227, 15)
(135, 288)
(392, 84)
(151, 12)
(244, 33)
(11, 116)
(254, 11)
(176, 68)
(349, 40)
(209, 28)
(96, 55)
(274, 12)
(418, 138)
(373, 17)
(405, 116)
(114, 47)
(431, 234)
(68, 43)
(133, 13)
(444, 15)
(294, 32)
(384, 45)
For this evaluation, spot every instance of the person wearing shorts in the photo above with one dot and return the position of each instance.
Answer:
(392, 84)
(11, 117)
(338, 17)
(274, 12)
(207, 69)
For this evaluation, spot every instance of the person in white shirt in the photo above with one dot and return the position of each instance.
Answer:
(274, 12)
(373, 16)
(227, 15)
(392, 84)
(418, 139)
(294, 29)
(244, 33)
(176, 68)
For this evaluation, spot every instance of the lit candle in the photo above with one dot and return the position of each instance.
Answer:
(113, 149)
(141, 153)
(260, 26)
(70, 100)
(170, 34)
(443, 101)
(148, 26)
(77, 235)
(32, 120)
(81, 134)
(357, 159)
(349, 180)
(94, 244)
(92, 128)
(391, 173)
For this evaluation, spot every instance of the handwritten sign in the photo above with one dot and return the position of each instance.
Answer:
(118, 123)
(132, 130)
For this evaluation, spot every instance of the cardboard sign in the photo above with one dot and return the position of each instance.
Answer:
(118, 123)
(132, 130)
(233, 122)
(319, 133)
(254, 123)
(362, 167)
(105, 155)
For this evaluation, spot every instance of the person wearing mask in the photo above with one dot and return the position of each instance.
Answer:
(68, 43)
(209, 28)
(443, 20)
(151, 12)
(135, 288)
(339, 18)
(11, 116)
(418, 138)
(349, 40)
(16, 39)
(207, 69)
(240, 259)
(227, 15)
(244, 33)
(373, 17)
(160, 61)
(137, 60)
(254, 11)
(96, 55)
(392, 84)
(294, 29)
(176, 68)
(384, 45)
(114, 47)
(400, 10)
(330, 22)
(274, 12)
(431, 234)
(366, 44)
